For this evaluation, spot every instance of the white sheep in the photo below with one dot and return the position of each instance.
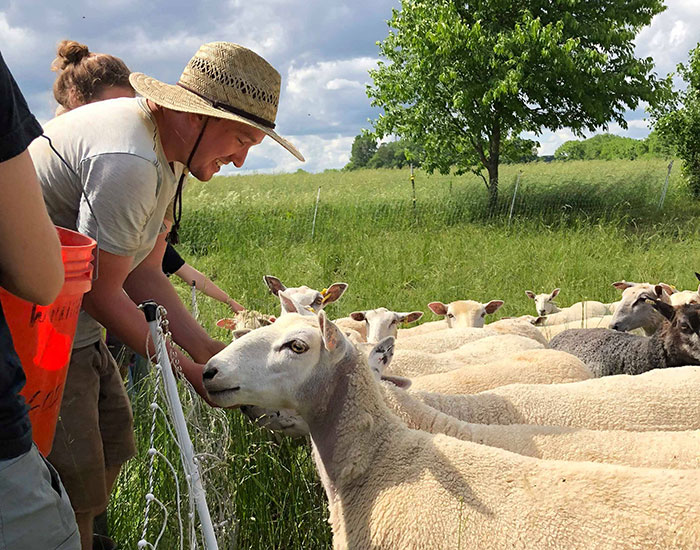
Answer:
(663, 399)
(550, 331)
(537, 366)
(634, 310)
(307, 297)
(656, 449)
(382, 322)
(445, 340)
(418, 363)
(391, 487)
(551, 314)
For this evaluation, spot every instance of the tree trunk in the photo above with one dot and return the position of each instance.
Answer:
(493, 188)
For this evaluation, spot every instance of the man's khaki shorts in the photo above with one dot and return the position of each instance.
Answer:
(95, 427)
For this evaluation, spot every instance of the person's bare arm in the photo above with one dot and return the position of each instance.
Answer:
(148, 282)
(205, 285)
(31, 265)
(112, 307)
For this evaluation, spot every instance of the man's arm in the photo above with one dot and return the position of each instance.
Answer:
(111, 306)
(31, 266)
(148, 282)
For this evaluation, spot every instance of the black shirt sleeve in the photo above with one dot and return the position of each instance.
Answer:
(18, 127)
(172, 261)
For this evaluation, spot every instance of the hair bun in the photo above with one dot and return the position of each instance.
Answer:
(69, 52)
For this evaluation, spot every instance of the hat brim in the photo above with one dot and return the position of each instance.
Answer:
(178, 99)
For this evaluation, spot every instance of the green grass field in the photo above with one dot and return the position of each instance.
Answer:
(579, 226)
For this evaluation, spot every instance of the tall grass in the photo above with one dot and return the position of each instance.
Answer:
(579, 226)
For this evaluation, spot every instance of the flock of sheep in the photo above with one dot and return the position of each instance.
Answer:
(522, 433)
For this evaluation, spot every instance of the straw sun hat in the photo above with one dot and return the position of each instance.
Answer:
(222, 80)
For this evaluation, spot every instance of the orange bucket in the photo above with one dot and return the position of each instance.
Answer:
(43, 336)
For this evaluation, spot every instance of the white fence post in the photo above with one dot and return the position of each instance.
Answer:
(665, 187)
(313, 224)
(512, 202)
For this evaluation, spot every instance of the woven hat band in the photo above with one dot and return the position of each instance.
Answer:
(230, 108)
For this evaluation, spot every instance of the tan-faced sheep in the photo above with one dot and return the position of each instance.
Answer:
(307, 297)
(390, 487)
(634, 310)
(537, 366)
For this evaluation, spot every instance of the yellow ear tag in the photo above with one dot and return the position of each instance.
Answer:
(325, 295)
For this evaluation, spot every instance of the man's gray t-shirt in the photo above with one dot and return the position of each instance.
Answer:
(114, 148)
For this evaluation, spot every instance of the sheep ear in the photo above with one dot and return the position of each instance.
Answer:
(530, 294)
(333, 293)
(274, 284)
(493, 305)
(667, 310)
(438, 308)
(358, 316)
(290, 305)
(240, 332)
(622, 285)
(227, 323)
(398, 381)
(410, 317)
(537, 321)
(381, 355)
(659, 290)
(554, 293)
(697, 276)
(333, 337)
(670, 289)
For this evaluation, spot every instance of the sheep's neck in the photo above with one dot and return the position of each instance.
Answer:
(348, 425)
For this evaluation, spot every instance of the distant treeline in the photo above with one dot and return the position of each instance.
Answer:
(397, 154)
(611, 147)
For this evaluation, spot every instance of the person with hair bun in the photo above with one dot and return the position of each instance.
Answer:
(86, 77)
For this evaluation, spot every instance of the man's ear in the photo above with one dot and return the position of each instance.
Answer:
(438, 308)
(493, 305)
(358, 316)
(381, 355)
(274, 284)
(410, 317)
(333, 293)
(398, 381)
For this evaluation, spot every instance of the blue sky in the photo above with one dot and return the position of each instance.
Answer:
(323, 49)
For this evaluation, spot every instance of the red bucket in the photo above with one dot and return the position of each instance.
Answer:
(43, 336)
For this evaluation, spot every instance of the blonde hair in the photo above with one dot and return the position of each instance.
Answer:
(84, 74)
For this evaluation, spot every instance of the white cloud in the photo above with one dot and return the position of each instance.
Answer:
(15, 41)
(340, 83)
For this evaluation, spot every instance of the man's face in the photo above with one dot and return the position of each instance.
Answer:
(224, 141)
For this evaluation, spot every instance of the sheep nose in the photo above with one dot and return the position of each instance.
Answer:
(616, 326)
(209, 373)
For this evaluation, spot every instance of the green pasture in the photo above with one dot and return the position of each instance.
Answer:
(579, 226)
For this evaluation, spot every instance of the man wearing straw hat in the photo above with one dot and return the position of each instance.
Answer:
(111, 170)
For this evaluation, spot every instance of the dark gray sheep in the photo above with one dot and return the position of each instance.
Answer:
(608, 352)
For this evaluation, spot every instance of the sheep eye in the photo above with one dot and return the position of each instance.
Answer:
(297, 346)
(450, 316)
(483, 314)
(685, 327)
(394, 322)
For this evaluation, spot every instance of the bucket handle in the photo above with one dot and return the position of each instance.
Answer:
(96, 271)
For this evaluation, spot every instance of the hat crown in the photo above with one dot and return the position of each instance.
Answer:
(231, 75)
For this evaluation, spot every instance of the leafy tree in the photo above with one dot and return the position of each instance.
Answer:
(519, 150)
(465, 78)
(677, 121)
(363, 149)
